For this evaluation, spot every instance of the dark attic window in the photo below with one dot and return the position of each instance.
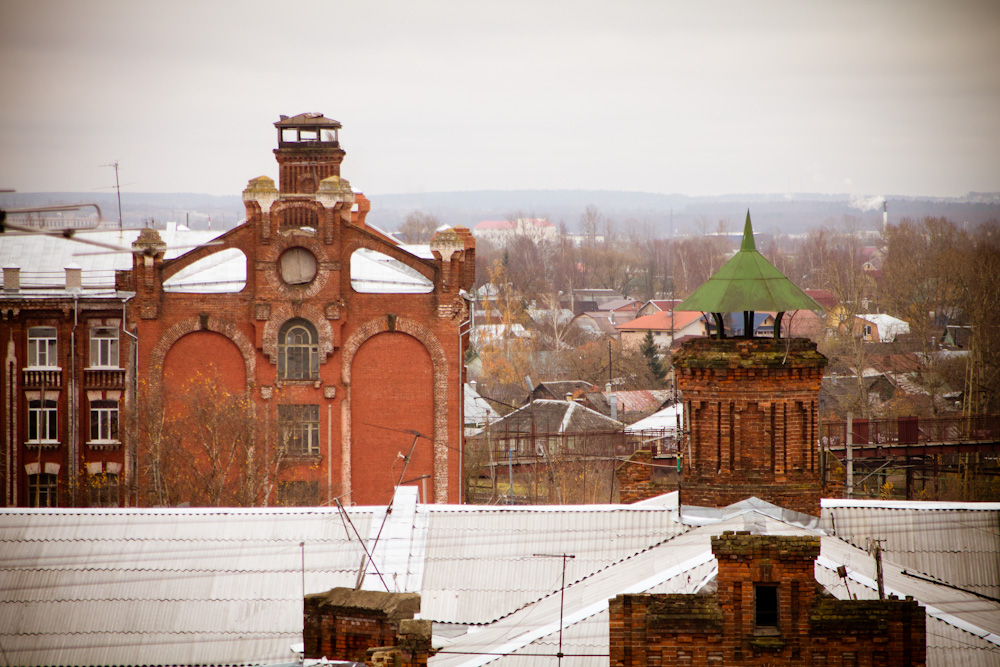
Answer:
(765, 606)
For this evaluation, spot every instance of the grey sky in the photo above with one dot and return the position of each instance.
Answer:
(697, 98)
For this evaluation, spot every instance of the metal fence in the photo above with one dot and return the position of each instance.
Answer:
(527, 447)
(912, 431)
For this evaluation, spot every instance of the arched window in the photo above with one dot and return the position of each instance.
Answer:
(298, 351)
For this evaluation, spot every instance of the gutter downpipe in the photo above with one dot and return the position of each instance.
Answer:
(132, 457)
(74, 408)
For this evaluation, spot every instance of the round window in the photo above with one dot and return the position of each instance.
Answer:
(297, 266)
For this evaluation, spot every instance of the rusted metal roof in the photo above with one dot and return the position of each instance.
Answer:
(301, 119)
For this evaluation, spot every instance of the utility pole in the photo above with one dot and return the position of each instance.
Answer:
(849, 446)
(877, 550)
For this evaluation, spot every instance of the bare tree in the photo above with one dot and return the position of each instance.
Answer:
(208, 446)
(418, 228)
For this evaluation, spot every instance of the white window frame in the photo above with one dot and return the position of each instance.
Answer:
(104, 347)
(43, 419)
(43, 347)
(104, 422)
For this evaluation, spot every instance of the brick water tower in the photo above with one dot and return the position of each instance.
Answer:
(750, 403)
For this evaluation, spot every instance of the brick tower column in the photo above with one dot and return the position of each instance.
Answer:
(750, 411)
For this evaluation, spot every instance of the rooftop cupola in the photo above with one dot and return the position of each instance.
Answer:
(748, 283)
(308, 151)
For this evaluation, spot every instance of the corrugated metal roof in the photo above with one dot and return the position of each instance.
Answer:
(958, 543)
(202, 586)
(166, 586)
(503, 541)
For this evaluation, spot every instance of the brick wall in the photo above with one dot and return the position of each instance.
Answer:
(751, 416)
(733, 627)
(635, 479)
(366, 626)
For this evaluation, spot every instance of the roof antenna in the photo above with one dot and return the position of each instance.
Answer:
(118, 190)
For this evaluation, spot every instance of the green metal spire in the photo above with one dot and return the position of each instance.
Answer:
(748, 243)
(748, 282)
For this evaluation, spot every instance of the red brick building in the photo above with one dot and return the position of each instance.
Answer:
(64, 378)
(342, 370)
(766, 611)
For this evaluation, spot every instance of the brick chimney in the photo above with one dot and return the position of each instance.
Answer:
(345, 624)
(11, 279)
(74, 278)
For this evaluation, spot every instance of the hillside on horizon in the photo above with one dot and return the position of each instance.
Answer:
(649, 212)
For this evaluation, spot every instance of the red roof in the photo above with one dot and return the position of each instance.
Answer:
(823, 297)
(661, 321)
(665, 304)
(495, 224)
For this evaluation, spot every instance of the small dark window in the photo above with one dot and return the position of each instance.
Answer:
(298, 494)
(765, 606)
(42, 490)
(299, 429)
(104, 490)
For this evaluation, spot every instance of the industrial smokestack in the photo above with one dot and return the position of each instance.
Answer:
(885, 215)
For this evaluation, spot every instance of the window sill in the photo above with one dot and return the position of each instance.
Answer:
(766, 631)
(43, 368)
(304, 458)
(299, 382)
(104, 368)
(42, 444)
(104, 444)
(767, 642)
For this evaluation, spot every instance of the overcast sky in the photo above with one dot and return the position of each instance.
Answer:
(698, 98)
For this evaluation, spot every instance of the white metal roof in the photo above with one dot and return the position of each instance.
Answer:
(43, 260)
(888, 326)
(958, 543)
(664, 420)
(204, 586)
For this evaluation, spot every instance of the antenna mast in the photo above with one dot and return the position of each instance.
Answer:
(118, 190)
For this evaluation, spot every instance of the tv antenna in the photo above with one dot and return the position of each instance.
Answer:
(118, 191)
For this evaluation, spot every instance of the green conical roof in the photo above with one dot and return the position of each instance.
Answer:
(748, 282)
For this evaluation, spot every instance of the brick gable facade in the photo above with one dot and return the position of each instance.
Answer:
(375, 367)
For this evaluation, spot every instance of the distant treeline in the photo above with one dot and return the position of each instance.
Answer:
(658, 213)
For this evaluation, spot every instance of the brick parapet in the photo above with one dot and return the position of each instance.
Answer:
(721, 628)
(343, 624)
(634, 479)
